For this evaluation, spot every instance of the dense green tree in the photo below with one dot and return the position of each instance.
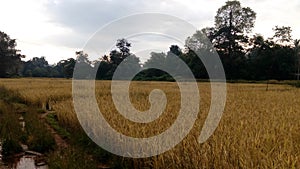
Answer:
(40, 72)
(83, 67)
(65, 68)
(172, 60)
(155, 60)
(104, 68)
(199, 43)
(195, 64)
(199, 40)
(268, 60)
(10, 57)
(37, 67)
(129, 66)
(116, 56)
(109, 63)
(167, 62)
(297, 58)
(232, 22)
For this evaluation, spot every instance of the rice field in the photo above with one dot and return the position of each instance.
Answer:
(259, 128)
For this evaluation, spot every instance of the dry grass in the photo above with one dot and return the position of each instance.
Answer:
(259, 128)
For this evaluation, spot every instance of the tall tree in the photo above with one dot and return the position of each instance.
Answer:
(232, 22)
(109, 63)
(10, 57)
(297, 58)
(199, 43)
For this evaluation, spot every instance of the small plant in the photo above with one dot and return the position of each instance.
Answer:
(10, 147)
(297, 84)
(10, 129)
(41, 111)
(52, 121)
(42, 143)
(74, 158)
(39, 137)
(294, 83)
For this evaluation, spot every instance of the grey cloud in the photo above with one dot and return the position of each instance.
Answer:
(84, 17)
(88, 16)
(80, 15)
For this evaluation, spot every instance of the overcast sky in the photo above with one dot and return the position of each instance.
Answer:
(57, 28)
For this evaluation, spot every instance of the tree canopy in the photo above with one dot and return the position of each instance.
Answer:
(10, 57)
(244, 55)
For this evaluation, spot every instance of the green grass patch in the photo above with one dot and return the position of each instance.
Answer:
(51, 119)
(13, 112)
(10, 130)
(39, 137)
(82, 147)
(10, 146)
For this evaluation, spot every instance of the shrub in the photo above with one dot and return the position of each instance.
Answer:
(10, 147)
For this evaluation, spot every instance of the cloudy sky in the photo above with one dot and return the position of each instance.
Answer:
(57, 28)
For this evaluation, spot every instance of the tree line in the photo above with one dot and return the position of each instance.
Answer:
(244, 55)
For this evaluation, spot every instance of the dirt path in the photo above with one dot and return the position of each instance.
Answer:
(60, 142)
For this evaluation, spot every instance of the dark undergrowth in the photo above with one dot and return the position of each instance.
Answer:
(13, 112)
(82, 151)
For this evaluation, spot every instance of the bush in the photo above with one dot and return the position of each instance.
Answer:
(294, 83)
(42, 143)
(10, 147)
(71, 158)
(40, 138)
(297, 84)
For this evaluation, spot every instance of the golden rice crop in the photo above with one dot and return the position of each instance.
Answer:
(259, 128)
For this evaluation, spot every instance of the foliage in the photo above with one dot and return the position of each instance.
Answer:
(70, 158)
(39, 138)
(83, 64)
(10, 147)
(268, 60)
(243, 56)
(10, 133)
(231, 23)
(52, 121)
(282, 34)
(35, 135)
(10, 57)
(66, 67)
(108, 64)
